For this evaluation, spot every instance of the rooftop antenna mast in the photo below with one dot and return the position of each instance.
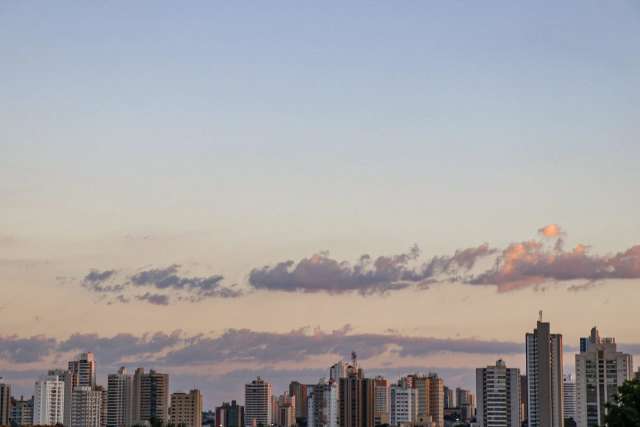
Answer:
(540, 316)
(354, 359)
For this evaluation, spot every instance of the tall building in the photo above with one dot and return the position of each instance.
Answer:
(466, 403)
(338, 370)
(21, 412)
(150, 396)
(430, 391)
(449, 398)
(524, 398)
(382, 401)
(230, 415)
(569, 397)
(119, 399)
(403, 404)
(5, 404)
(498, 392)
(600, 370)
(86, 407)
(544, 376)
(357, 400)
(323, 405)
(300, 392)
(48, 400)
(257, 403)
(283, 410)
(83, 370)
(186, 409)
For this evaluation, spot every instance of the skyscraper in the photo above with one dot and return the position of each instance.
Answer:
(48, 400)
(300, 392)
(382, 396)
(257, 403)
(283, 412)
(150, 396)
(5, 404)
(544, 376)
(21, 412)
(449, 398)
(524, 399)
(323, 404)
(186, 409)
(338, 370)
(119, 399)
(80, 373)
(86, 407)
(403, 404)
(569, 397)
(357, 400)
(230, 415)
(498, 391)
(600, 370)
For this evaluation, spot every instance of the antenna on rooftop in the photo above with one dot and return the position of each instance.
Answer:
(540, 316)
(354, 358)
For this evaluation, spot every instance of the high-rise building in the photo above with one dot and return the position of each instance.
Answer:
(430, 391)
(466, 403)
(257, 403)
(83, 370)
(150, 396)
(498, 391)
(449, 398)
(86, 407)
(5, 404)
(338, 370)
(283, 410)
(600, 370)
(403, 404)
(524, 398)
(323, 404)
(119, 399)
(48, 400)
(21, 412)
(382, 402)
(186, 409)
(357, 400)
(300, 392)
(544, 375)
(569, 397)
(230, 415)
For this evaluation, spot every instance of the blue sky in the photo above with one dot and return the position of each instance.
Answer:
(224, 137)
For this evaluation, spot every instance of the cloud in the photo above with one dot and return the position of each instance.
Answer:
(155, 299)
(25, 350)
(321, 273)
(551, 230)
(95, 279)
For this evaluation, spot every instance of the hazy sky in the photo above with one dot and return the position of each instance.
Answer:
(192, 187)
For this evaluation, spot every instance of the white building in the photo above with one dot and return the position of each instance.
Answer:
(498, 396)
(569, 397)
(600, 370)
(257, 403)
(48, 400)
(322, 403)
(86, 407)
(404, 404)
(338, 370)
(544, 377)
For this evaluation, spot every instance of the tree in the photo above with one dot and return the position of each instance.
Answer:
(624, 410)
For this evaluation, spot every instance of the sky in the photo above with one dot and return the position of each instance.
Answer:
(221, 190)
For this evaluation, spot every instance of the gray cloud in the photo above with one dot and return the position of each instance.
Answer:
(25, 350)
(155, 299)
(321, 273)
(95, 281)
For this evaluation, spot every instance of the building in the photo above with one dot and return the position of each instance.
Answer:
(257, 403)
(86, 407)
(21, 412)
(524, 398)
(338, 370)
(430, 390)
(48, 400)
(283, 410)
(498, 392)
(403, 404)
(299, 391)
(569, 397)
(544, 376)
(83, 370)
(466, 403)
(382, 401)
(119, 399)
(150, 396)
(5, 404)
(357, 400)
(323, 404)
(230, 415)
(449, 398)
(600, 370)
(186, 409)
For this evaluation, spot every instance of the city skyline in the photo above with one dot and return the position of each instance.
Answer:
(222, 191)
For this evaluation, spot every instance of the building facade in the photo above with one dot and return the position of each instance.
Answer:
(119, 399)
(357, 400)
(21, 412)
(544, 376)
(300, 392)
(150, 396)
(323, 405)
(230, 415)
(403, 405)
(600, 370)
(186, 409)
(86, 407)
(257, 403)
(5, 404)
(48, 400)
(382, 401)
(569, 397)
(498, 393)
